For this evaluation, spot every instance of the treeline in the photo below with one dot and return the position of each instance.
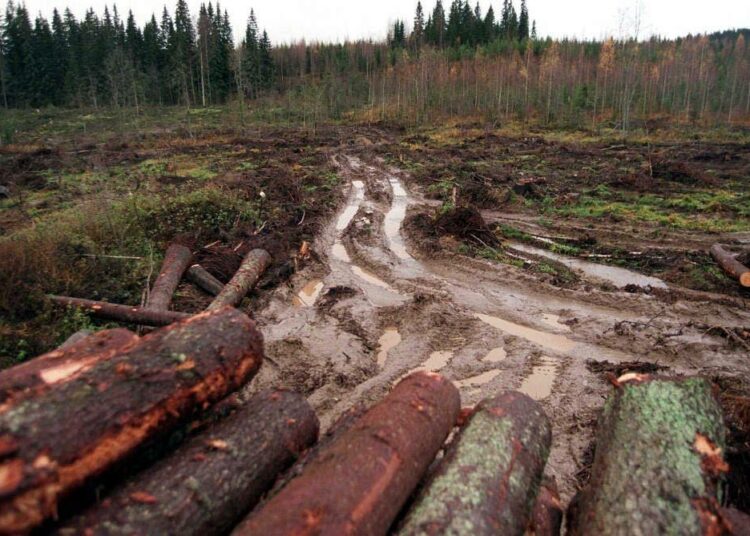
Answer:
(108, 61)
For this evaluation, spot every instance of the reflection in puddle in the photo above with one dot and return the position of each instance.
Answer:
(352, 207)
(496, 356)
(554, 342)
(339, 252)
(395, 218)
(387, 342)
(619, 277)
(553, 321)
(539, 385)
(477, 381)
(370, 278)
(309, 294)
(437, 361)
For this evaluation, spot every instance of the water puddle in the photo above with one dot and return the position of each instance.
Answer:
(395, 218)
(309, 294)
(372, 279)
(352, 207)
(387, 342)
(539, 384)
(496, 355)
(437, 361)
(620, 277)
(553, 321)
(477, 381)
(558, 343)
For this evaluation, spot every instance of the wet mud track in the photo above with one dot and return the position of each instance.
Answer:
(378, 306)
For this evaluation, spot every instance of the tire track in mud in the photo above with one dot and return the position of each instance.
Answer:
(379, 309)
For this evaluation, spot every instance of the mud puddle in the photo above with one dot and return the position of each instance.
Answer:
(394, 220)
(387, 342)
(309, 294)
(475, 382)
(496, 355)
(620, 277)
(539, 384)
(551, 341)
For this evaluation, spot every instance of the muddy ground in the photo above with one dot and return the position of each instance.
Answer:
(489, 259)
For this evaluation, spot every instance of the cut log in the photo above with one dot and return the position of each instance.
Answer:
(63, 438)
(360, 482)
(201, 277)
(64, 364)
(731, 265)
(658, 461)
(176, 261)
(252, 267)
(547, 517)
(208, 484)
(75, 338)
(488, 481)
(121, 313)
(736, 523)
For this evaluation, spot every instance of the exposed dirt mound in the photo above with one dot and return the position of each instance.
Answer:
(467, 224)
(681, 172)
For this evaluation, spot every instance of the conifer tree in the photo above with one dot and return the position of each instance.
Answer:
(418, 32)
(439, 24)
(251, 58)
(523, 22)
(3, 75)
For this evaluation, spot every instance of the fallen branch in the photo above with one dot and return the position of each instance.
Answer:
(201, 277)
(731, 266)
(659, 460)
(121, 313)
(358, 484)
(488, 479)
(176, 261)
(208, 484)
(252, 267)
(63, 438)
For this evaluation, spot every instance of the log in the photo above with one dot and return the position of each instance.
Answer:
(64, 364)
(121, 313)
(488, 481)
(73, 339)
(176, 261)
(209, 483)
(736, 523)
(547, 516)
(360, 482)
(252, 267)
(658, 461)
(70, 434)
(201, 277)
(731, 266)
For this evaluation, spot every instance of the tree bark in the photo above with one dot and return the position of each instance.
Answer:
(65, 437)
(547, 517)
(122, 313)
(736, 523)
(78, 336)
(208, 484)
(658, 461)
(253, 266)
(360, 482)
(200, 276)
(731, 265)
(488, 481)
(64, 364)
(176, 261)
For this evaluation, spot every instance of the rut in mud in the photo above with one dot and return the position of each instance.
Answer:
(379, 306)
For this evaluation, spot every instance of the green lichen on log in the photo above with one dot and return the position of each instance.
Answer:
(648, 475)
(488, 481)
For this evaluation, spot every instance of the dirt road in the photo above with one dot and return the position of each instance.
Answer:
(378, 306)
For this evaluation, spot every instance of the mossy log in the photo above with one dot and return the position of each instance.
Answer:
(203, 279)
(731, 266)
(64, 364)
(55, 442)
(358, 484)
(547, 516)
(252, 267)
(658, 461)
(121, 313)
(176, 261)
(208, 484)
(488, 481)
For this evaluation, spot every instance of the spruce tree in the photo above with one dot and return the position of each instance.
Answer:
(59, 56)
(3, 74)
(418, 32)
(490, 25)
(251, 57)
(266, 61)
(523, 22)
(439, 23)
(18, 45)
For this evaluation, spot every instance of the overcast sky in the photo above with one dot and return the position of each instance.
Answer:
(327, 20)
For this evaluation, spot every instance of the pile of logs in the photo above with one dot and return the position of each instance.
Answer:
(77, 418)
(177, 262)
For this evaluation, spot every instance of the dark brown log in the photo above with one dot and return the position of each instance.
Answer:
(208, 484)
(736, 523)
(176, 261)
(360, 482)
(488, 481)
(658, 462)
(75, 338)
(252, 267)
(63, 438)
(547, 517)
(121, 313)
(64, 364)
(731, 265)
(201, 277)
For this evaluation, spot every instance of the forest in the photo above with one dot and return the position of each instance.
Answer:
(445, 62)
